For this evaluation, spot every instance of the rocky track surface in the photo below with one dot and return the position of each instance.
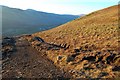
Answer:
(20, 60)
(32, 57)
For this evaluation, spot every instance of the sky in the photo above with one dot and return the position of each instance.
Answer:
(75, 7)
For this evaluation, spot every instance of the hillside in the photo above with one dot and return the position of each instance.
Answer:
(98, 28)
(92, 45)
(87, 47)
(16, 21)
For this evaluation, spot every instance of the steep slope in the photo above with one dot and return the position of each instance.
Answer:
(17, 21)
(89, 44)
(99, 28)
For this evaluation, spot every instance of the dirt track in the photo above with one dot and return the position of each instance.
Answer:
(26, 62)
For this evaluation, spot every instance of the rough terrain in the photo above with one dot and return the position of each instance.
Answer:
(20, 60)
(84, 62)
(94, 45)
(87, 47)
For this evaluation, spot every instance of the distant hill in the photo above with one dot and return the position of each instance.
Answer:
(17, 21)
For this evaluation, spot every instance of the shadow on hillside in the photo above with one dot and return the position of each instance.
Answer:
(8, 47)
(49, 46)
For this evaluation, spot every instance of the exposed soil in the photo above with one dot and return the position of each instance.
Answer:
(23, 61)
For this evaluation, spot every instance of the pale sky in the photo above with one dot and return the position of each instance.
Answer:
(60, 6)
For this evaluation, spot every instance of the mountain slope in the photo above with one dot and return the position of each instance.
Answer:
(99, 28)
(17, 21)
(90, 45)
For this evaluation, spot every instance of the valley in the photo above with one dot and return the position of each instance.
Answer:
(17, 21)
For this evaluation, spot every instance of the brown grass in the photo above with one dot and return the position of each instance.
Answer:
(97, 31)
(99, 28)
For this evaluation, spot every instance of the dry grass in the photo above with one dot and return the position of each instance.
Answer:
(99, 28)
(98, 32)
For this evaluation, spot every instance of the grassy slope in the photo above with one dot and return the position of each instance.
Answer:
(98, 32)
(99, 28)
